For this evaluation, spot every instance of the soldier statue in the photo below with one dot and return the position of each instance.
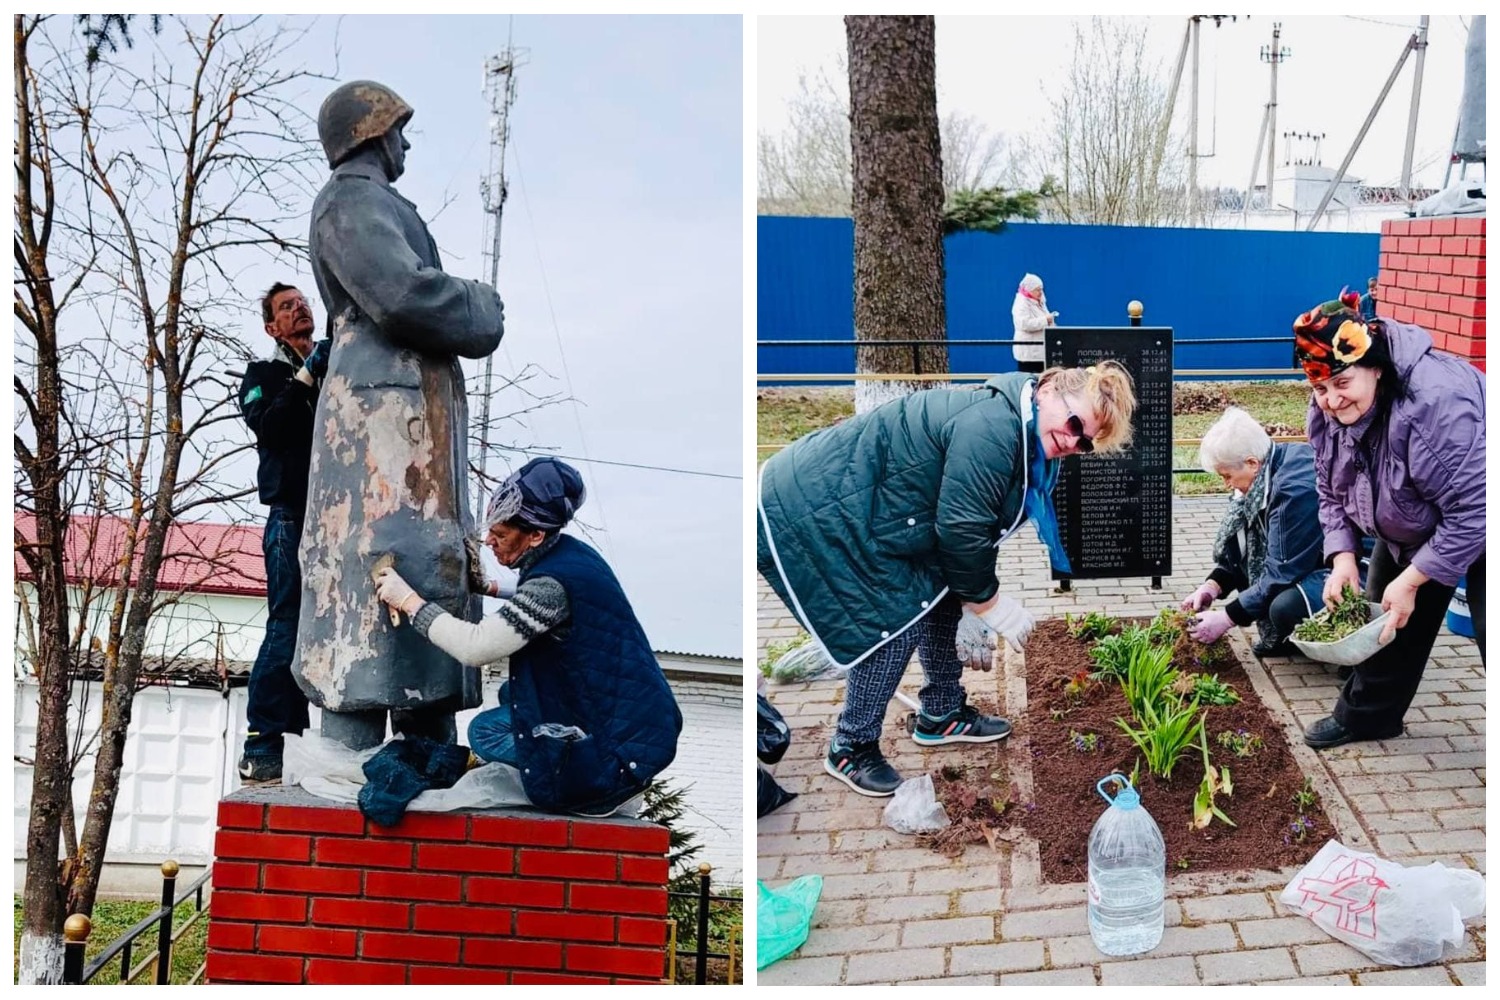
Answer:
(387, 485)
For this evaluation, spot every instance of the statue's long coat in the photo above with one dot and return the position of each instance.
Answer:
(390, 452)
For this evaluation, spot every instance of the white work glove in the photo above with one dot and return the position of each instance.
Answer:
(1010, 619)
(1202, 597)
(974, 642)
(393, 590)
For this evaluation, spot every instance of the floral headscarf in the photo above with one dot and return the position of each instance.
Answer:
(1331, 337)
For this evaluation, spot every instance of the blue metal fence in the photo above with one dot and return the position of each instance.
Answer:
(1204, 283)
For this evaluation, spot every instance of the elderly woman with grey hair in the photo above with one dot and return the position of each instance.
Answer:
(1269, 546)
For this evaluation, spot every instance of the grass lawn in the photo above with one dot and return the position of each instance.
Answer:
(112, 918)
(785, 414)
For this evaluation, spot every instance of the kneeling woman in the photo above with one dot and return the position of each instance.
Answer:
(1269, 546)
(586, 716)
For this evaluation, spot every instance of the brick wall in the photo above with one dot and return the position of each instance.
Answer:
(307, 891)
(1432, 274)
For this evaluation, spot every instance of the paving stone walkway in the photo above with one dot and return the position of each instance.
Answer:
(892, 912)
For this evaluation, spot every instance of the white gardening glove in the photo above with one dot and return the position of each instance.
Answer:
(974, 642)
(1010, 619)
(393, 590)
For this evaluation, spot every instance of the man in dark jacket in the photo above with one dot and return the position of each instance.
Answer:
(277, 398)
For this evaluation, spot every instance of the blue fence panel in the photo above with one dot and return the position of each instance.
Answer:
(1204, 283)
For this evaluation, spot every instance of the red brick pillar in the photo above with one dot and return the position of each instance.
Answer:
(1432, 274)
(308, 891)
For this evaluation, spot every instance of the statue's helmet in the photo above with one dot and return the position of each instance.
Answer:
(355, 113)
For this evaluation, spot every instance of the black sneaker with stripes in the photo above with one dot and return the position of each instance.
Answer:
(962, 725)
(863, 768)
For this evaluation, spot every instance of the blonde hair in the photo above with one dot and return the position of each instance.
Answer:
(1234, 438)
(1110, 392)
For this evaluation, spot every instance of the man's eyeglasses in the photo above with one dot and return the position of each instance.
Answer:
(1075, 427)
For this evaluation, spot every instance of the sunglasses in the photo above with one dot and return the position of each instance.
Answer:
(1075, 427)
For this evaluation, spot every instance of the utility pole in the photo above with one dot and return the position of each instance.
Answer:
(1166, 123)
(1411, 121)
(1192, 185)
(1194, 20)
(500, 90)
(1274, 54)
(1333, 185)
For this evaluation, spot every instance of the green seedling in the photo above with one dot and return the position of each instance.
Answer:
(1111, 654)
(1334, 623)
(1169, 625)
(1212, 691)
(1083, 742)
(1093, 625)
(1148, 679)
(1165, 733)
(1240, 742)
(1304, 798)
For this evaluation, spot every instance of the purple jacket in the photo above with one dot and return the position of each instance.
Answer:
(1427, 497)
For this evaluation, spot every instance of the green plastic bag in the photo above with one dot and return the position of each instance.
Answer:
(783, 917)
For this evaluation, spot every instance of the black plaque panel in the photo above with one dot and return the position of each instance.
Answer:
(1115, 512)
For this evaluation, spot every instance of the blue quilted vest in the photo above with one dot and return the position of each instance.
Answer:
(603, 679)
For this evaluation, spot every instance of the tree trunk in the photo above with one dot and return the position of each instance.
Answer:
(51, 792)
(898, 202)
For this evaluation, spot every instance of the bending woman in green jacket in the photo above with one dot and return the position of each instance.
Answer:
(879, 533)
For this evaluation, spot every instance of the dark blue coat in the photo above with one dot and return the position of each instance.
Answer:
(1294, 538)
(601, 677)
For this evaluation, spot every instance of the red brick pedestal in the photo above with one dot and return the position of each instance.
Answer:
(1432, 274)
(306, 890)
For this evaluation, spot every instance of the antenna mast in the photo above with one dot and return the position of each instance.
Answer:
(500, 90)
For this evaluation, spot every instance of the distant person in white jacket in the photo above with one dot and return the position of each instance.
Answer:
(1029, 312)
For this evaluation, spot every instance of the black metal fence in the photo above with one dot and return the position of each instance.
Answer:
(77, 927)
(699, 953)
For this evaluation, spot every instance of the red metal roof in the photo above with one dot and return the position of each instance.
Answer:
(200, 558)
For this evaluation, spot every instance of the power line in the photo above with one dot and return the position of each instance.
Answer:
(626, 465)
(1373, 20)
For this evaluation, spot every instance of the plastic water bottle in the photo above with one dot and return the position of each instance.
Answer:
(1127, 874)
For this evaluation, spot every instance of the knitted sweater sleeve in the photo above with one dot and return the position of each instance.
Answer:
(540, 605)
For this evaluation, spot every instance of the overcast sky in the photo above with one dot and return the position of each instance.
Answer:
(1002, 69)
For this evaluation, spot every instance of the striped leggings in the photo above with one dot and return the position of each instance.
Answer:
(872, 682)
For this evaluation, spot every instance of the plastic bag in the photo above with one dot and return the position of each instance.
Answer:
(783, 917)
(769, 796)
(772, 733)
(915, 808)
(1395, 915)
(807, 662)
(330, 770)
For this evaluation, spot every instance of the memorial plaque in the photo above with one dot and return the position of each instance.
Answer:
(1115, 511)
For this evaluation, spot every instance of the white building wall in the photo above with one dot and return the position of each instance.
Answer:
(197, 626)
(173, 777)
(183, 745)
(710, 766)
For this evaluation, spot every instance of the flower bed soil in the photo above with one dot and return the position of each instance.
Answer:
(1065, 803)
